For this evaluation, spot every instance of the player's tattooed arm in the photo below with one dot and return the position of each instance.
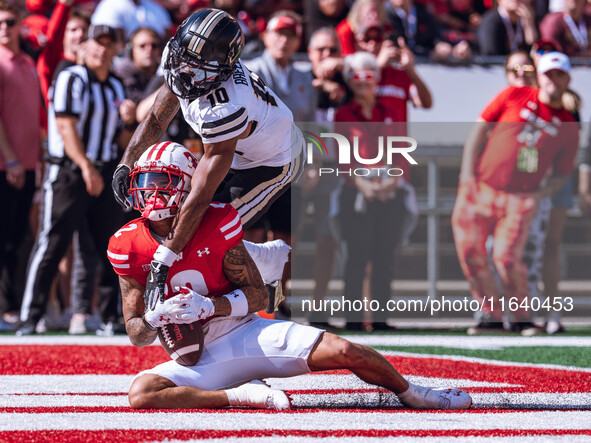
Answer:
(242, 271)
(133, 308)
(152, 128)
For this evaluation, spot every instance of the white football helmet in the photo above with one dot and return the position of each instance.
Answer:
(161, 180)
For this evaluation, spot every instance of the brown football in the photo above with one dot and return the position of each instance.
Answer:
(183, 342)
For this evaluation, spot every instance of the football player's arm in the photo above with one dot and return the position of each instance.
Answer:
(211, 170)
(242, 271)
(152, 128)
(472, 149)
(133, 308)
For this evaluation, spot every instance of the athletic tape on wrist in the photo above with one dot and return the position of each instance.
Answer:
(148, 325)
(165, 255)
(238, 303)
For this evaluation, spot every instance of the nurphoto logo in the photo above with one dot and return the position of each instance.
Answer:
(387, 148)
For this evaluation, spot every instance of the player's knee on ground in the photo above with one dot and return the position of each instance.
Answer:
(144, 391)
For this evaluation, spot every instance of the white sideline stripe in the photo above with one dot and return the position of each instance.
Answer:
(83, 340)
(115, 265)
(64, 384)
(505, 400)
(117, 256)
(370, 340)
(185, 350)
(350, 381)
(33, 401)
(323, 420)
(499, 342)
(361, 400)
(485, 361)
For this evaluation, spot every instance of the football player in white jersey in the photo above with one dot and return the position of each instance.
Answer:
(252, 149)
(223, 289)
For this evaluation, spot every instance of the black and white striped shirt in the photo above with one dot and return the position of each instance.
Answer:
(77, 92)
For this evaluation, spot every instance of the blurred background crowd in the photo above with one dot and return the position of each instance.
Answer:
(330, 61)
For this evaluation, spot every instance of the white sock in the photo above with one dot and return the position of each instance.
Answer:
(414, 396)
(270, 257)
(241, 395)
(236, 396)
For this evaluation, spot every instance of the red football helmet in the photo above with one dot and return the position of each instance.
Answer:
(161, 180)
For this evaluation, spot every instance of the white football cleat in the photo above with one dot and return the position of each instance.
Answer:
(257, 394)
(435, 398)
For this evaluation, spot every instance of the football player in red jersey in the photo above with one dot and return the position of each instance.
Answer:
(215, 281)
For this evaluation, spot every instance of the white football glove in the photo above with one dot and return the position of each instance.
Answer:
(189, 306)
(160, 315)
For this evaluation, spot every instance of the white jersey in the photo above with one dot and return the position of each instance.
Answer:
(226, 111)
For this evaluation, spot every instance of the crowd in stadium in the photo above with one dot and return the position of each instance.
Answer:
(86, 73)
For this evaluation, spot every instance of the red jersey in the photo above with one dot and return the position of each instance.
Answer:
(394, 92)
(199, 265)
(350, 121)
(525, 124)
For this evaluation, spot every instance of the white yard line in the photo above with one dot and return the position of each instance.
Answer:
(464, 342)
(486, 361)
(323, 420)
(64, 384)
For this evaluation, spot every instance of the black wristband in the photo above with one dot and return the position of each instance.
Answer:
(148, 325)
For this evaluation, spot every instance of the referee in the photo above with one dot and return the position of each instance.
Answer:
(89, 117)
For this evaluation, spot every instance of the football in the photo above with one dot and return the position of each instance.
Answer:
(183, 342)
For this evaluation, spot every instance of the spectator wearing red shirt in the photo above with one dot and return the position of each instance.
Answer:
(363, 14)
(569, 28)
(20, 148)
(521, 137)
(66, 32)
(399, 81)
(371, 207)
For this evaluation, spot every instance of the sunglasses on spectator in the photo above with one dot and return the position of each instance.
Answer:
(330, 49)
(526, 69)
(151, 45)
(363, 76)
(9, 22)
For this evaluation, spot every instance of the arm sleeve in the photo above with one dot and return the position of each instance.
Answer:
(52, 52)
(67, 94)
(494, 109)
(229, 228)
(223, 123)
(126, 263)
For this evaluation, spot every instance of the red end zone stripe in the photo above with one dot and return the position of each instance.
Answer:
(126, 435)
(78, 359)
(399, 410)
